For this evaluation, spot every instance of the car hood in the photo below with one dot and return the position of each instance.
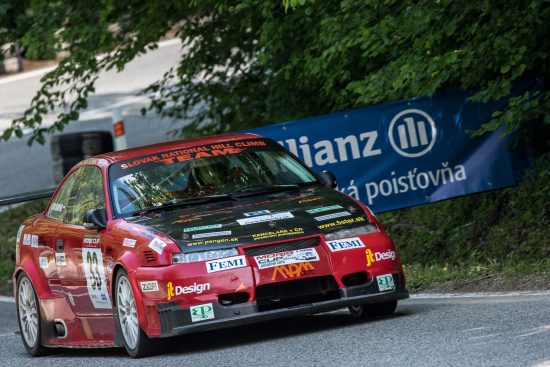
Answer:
(258, 219)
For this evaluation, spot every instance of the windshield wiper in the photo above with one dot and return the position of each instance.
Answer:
(185, 202)
(264, 189)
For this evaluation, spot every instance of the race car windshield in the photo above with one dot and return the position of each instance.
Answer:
(235, 169)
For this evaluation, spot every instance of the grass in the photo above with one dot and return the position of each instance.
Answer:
(504, 232)
(10, 220)
(421, 276)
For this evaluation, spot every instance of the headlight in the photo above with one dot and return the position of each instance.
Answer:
(192, 257)
(352, 232)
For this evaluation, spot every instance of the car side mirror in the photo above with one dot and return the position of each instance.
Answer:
(327, 178)
(95, 219)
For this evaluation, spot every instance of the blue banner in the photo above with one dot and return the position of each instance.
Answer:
(406, 153)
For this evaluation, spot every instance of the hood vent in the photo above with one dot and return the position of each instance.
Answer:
(282, 246)
(149, 256)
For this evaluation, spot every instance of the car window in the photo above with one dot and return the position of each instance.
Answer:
(151, 181)
(59, 203)
(86, 194)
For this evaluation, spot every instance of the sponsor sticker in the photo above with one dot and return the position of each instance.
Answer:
(92, 241)
(43, 260)
(226, 263)
(213, 241)
(265, 218)
(201, 228)
(157, 245)
(34, 241)
(373, 257)
(195, 288)
(286, 257)
(342, 222)
(293, 270)
(332, 216)
(202, 312)
(129, 242)
(256, 213)
(27, 239)
(385, 282)
(345, 244)
(21, 228)
(211, 234)
(60, 259)
(324, 209)
(56, 207)
(309, 200)
(151, 286)
(278, 233)
(92, 262)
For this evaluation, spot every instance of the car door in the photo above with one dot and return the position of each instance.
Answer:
(83, 276)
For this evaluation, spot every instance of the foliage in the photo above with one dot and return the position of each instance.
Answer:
(11, 219)
(258, 62)
(504, 225)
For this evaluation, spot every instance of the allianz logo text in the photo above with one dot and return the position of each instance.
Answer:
(412, 138)
(411, 133)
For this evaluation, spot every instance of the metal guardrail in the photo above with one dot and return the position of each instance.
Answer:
(27, 196)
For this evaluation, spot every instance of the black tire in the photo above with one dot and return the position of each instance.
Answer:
(84, 144)
(373, 310)
(62, 167)
(144, 345)
(36, 349)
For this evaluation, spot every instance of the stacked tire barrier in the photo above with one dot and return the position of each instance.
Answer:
(69, 149)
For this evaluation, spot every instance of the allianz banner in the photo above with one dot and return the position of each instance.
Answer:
(406, 153)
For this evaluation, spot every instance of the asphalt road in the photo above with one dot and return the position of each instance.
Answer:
(24, 169)
(483, 331)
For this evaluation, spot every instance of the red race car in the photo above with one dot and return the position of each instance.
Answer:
(195, 235)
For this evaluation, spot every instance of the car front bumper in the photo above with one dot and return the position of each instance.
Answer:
(176, 320)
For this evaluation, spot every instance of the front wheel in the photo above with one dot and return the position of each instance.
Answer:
(135, 341)
(373, 310)
(28, 312)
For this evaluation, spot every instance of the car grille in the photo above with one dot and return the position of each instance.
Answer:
(296, 292)
(282, 246)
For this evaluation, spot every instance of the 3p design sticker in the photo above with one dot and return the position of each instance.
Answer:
(92, 261)
(286, 257)
(385, 282)
(157, 245)
(202, 312)
(195, 288)
(373, 257)
(43, 260)
(27, 239)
